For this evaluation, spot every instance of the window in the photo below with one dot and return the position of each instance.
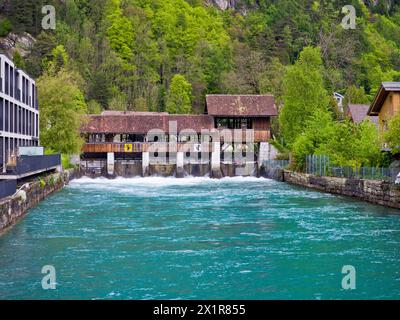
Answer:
(19, 120)
(16, 118)
(1, 113)
(11, 81)
(6, 75)
(1, 152)
(16, 85)
(6, 128)
(11, 117)
(33, 96)
(23, 121)
(37, 127)
(1, 79)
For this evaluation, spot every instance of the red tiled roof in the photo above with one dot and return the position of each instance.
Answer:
(241, 105)
(143, 122)
(358, 112)
(193, 122)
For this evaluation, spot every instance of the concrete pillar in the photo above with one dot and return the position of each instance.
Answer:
(216, 160)
(267, 152)
(179, 165)
(145, 163)
(110, 163)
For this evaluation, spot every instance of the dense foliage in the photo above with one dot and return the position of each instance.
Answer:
(128, 51)
(158, 55)
(393, 134)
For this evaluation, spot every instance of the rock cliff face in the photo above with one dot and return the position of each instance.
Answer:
(22, 42)
(239, 5)
(225, 4)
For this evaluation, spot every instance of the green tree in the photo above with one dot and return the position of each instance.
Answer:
(179, 98)
(318, 128)
(392, 136)
(18, 60)
(63, 110)
(304, 93)
(141, 105)
(345, 143)
(59, 60)
(120, 31)
(5, 27)
(94, 107)
(355, 95)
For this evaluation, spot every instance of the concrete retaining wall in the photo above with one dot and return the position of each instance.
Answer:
(7, 188)
(272, 173)
(14, 208)
(135, 168)
(374, 191)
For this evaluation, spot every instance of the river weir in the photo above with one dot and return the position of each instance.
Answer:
(200, 238)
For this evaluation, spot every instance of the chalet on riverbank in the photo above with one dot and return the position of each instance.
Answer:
(386, 104)
(125, 136)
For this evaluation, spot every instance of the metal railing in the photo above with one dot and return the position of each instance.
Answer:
(28, 164)
(320, 165)
(138, 147)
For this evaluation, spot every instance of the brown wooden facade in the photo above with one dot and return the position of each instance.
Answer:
(248, 117)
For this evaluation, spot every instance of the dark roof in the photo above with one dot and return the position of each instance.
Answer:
(123, 123)
(241, 105)
(358, 112)
(132, 113)
(381, 96)
(193, 122)
(143, 122)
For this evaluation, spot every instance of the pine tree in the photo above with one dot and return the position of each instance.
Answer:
(179, 99)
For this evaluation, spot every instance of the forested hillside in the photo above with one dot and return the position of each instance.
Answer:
(128, 51)
(166, 55)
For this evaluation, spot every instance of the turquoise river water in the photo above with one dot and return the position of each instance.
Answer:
(197, 238)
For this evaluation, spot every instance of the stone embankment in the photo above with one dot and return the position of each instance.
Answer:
(379, 192)
(15, 207)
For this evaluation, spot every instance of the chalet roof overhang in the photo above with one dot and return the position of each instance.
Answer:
(143, 123)
(385, 89)
(241, 106)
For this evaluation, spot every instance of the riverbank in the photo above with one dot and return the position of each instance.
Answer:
(232, 238)
(14, 208)
(374, 191)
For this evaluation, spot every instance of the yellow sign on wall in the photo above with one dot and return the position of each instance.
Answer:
(128, 148)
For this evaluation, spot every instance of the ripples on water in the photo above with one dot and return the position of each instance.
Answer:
(235, 238)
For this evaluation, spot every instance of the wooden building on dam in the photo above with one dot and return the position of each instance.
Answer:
(230, 139)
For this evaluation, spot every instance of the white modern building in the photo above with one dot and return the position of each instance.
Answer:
(19, 112)
(339, 99)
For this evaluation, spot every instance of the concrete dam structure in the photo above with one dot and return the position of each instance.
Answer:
(231, 139)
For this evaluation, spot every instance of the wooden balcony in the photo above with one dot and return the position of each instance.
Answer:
(262, 136)
(139, 147)
(112, 147)
(259, 136)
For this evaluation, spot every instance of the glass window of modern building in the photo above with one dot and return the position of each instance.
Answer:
(19, 111)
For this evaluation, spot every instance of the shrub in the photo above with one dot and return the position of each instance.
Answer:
(5, 27)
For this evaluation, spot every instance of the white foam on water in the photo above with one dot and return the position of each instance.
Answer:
(161, 181)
